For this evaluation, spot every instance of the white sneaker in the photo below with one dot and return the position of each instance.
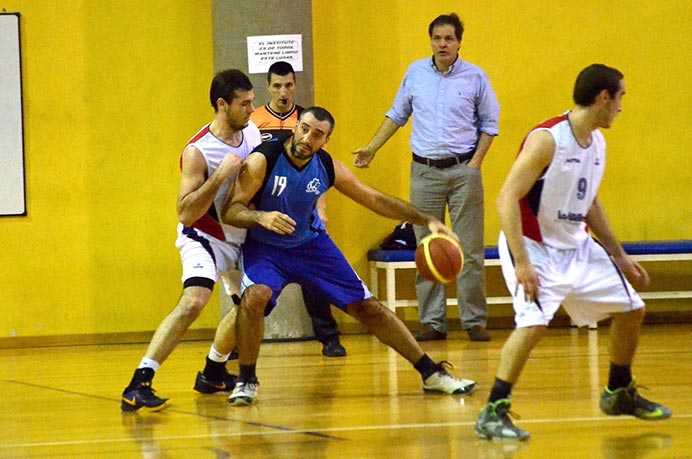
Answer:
(244, 393)
(441, 381)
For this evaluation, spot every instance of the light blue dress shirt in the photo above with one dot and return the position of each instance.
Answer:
(449, 111)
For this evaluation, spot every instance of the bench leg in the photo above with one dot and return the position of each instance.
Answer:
(391, 289)
(374, 287)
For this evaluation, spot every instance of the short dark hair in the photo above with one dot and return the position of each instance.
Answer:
(594, 79)
(320, 114)
(226, 83)
(280, 68)
(448, 19)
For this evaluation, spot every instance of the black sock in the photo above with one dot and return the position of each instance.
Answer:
(142, 375)
(501, 389)
(620, 376)
(247, 373)
(214, 371)
(425, 366)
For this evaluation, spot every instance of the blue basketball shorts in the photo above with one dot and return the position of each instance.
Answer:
(318, 266)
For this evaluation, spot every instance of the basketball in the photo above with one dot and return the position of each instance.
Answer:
(439, 258)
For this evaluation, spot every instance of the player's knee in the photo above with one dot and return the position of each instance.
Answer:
(632, 318)
(192, 303)
(368, 311)
(255, 298)
(536, 333)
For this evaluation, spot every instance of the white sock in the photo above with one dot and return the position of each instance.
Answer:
(216, 356)
(148, 363)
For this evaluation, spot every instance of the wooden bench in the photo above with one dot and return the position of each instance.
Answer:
(392, 261)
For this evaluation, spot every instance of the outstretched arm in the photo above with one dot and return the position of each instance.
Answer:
(238, 211)
(365, 155)
(384, 204)
(322, 208)
(532, 160)
(600, 227)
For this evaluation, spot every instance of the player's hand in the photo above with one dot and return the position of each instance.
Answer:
(277, 222)
(435, 226)
(229, 165)
(363, 157)
(527, 278)
(635, 273)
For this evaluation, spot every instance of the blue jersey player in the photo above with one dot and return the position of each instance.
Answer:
(275, 196)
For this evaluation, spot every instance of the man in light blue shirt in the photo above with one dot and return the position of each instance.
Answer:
(455, 118)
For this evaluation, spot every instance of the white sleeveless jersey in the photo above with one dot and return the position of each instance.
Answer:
(554, 210)
(214, 150)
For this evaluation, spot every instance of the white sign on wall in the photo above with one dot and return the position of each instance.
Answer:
(264, 50)
(12, 195)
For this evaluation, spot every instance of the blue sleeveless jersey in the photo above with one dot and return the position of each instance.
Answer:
(294, 192)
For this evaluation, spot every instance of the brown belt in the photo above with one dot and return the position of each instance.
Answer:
(444, 163)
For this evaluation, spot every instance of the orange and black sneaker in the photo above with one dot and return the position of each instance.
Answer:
(142, 396)
(204, 385)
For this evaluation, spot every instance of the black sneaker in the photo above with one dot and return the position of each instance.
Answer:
(494, 423)
(333, 348)
(626, 400)
(142, 396)
(208, 386)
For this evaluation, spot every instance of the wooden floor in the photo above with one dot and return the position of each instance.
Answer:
(64, 402)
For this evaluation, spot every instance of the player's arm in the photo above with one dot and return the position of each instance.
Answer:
(366, 154)
(322, 208)
(238, 210)
(196, 194)
(383, 204)
(536, 155)
(598, 224)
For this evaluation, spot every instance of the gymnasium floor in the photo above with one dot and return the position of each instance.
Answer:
(64, 402)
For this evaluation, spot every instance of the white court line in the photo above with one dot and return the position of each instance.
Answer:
(324, 430)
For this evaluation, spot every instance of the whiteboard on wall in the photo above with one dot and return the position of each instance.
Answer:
(12, 183)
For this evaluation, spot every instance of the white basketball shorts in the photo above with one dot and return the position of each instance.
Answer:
(204, 256)
(585, 281)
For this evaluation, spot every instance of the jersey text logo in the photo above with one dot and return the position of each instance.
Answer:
(570, 216)
(313, 186)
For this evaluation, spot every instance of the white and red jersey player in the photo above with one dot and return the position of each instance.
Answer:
(574, 271)
(209, 245)
(553, 212)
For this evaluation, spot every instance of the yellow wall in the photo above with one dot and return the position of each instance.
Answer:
(112, 91)
(532, 52)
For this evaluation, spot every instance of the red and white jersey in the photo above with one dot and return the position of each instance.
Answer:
(214, 150)
(554, 210)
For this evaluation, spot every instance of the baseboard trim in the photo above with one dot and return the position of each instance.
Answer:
(207, 334)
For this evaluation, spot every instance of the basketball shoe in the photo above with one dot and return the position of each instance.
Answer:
(494, 423)
(626, 400)
(442, 381)
(205, 385)
(139, 394)
(244, 393)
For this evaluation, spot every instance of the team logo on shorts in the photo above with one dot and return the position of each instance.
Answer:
(313, 186)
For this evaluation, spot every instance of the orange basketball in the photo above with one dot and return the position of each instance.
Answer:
(439, 258)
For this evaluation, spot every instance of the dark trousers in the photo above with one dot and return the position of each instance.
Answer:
(320, 312)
